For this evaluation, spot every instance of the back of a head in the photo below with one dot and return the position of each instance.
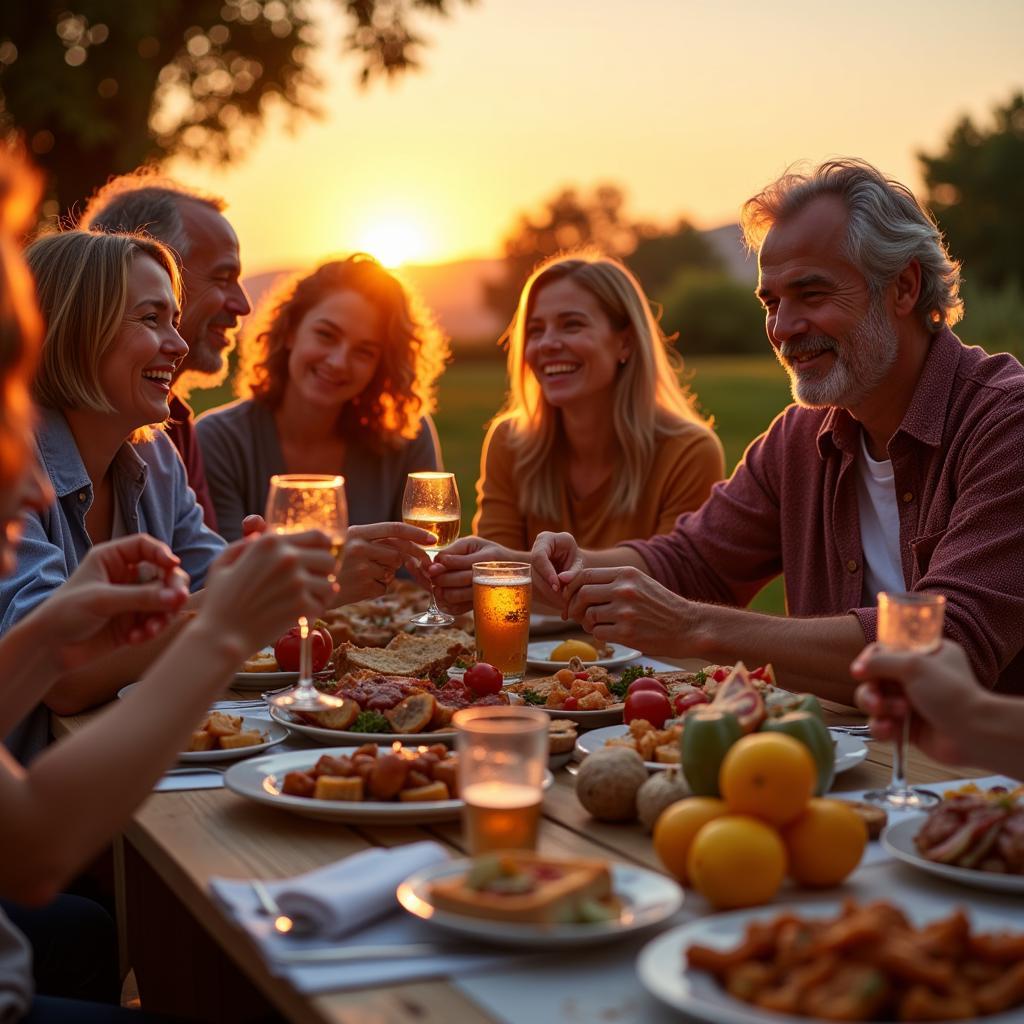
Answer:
(145, 202)
(887, 229)
(81, 280)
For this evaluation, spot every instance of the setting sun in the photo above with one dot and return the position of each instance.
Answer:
(394, 242)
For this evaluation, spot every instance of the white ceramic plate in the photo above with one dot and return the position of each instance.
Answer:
(662, 970)
(275, 734)
(899, 841)
(539, 656)
(260, 780)
(650, 898)
(332, 737)
(850, 750)
(549, 625)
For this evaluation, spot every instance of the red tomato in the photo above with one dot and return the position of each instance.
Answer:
(720, 674)
(483, 679)
(582, 675)
(286, 650)
(570, 704)
(647, 683)
(649, 705)
(685, 701)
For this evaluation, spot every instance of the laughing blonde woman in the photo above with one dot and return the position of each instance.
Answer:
(597, 436)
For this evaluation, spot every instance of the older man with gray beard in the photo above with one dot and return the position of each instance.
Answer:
(899, 466)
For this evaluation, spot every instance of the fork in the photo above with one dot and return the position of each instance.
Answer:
(338, 954)
(197, 770)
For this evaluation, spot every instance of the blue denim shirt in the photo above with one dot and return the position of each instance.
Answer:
(153, 496)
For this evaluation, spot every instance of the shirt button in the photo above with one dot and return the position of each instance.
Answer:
(81, 495)
(851, 565)
(907, 497)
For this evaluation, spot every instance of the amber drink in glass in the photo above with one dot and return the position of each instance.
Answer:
(501, 616)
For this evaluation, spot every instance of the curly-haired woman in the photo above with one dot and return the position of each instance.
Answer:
(338, 376)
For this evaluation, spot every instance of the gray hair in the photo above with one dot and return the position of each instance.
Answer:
(887, 229)
(143, 202)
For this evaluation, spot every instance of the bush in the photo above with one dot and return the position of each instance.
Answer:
(994, 319)
(713, 313)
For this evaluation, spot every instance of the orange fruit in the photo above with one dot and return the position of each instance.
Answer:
(678, 824)
(736, 861)
(769, 775)
(825, 843)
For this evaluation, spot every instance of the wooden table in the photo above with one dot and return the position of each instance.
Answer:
(177, 841)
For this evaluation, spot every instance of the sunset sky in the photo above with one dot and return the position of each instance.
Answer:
(689, 105)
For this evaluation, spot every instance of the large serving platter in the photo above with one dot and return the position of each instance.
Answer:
(898, 840)
(663, 971)
(649, 897)
(850, 750)
(332, 737)
(260, 780)
(539, 656)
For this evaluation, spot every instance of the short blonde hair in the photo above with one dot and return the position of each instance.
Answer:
(82, 288)
(649, 402)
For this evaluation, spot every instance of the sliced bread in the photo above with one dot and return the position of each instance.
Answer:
(407, 654)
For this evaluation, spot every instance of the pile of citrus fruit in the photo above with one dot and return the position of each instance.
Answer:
(736, 850)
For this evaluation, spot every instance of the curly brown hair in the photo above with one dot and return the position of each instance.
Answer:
(415, 352)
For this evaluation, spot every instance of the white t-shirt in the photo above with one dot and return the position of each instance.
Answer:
(879, 525)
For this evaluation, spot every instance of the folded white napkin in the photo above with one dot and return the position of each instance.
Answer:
(338, 899)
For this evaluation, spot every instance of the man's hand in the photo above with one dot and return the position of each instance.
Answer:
(626, 606)
(374, 553)
(125, 591)
(938, 687)
(556, 560)
(451, 575)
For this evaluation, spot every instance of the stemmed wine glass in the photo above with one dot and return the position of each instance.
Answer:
(297, 503)
(431, 502)
(907, 622)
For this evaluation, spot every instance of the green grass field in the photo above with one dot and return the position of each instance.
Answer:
(742, 394)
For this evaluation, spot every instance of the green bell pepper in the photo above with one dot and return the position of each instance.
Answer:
(707, 737)
(809, 729)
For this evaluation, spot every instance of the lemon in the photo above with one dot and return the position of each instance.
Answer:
(574, 649)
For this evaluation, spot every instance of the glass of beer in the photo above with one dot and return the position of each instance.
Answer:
(907, 622)
(501, 615)
(431, 502)
(296, 503)
(503, 754)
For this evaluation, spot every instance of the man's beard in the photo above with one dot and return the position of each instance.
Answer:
(862, 360)
(204, 368)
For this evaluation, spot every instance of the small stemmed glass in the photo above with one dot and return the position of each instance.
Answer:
(431, 502)
(297, 503)
(907, 622)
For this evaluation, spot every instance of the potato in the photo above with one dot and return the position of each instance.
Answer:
(339, 718)
(366, 750)
(331, 787)
(223, 725)
(416, 779)
(413, 714)
(298, 784)
(388, 776)
(432, 791)
(448, 773)
(202, 740)
(241, 739)
(328, 765)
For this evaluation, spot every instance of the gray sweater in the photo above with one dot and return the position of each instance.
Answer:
(242, 451)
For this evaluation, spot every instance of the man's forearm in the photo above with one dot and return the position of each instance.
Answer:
(991, 734)
(807, 654)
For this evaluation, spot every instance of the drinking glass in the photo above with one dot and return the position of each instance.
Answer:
(503, 754)
(431, 502)
(907, 622)
(297, 503)
(501, 615)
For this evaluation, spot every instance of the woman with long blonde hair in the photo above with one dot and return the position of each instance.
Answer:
(597, 436)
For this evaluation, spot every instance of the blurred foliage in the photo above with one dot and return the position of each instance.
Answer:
(976, 189)
(571, 219)
(994, 318)
(713, 313)
(101, 89)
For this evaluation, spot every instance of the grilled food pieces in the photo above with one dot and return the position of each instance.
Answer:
(407, 655)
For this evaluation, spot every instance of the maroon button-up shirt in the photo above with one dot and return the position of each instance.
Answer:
(791, 507)
(181, 429)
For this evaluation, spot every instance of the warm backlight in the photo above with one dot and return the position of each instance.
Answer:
(394, 242)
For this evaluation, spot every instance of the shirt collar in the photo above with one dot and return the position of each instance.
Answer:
(922, 420)
(179, 411)
(62, 461)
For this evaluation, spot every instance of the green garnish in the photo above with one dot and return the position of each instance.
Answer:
(370, 721)
(532, 697)
(700, 677)
(621, 685)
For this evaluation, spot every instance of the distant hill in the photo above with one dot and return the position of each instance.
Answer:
(455, 291)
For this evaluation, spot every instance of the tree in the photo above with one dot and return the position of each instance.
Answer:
(976, 188)
(112, 85)
(570, 220)
(713, 313)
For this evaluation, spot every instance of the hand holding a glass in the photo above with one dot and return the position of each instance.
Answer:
(910, 623)
(431, 502)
